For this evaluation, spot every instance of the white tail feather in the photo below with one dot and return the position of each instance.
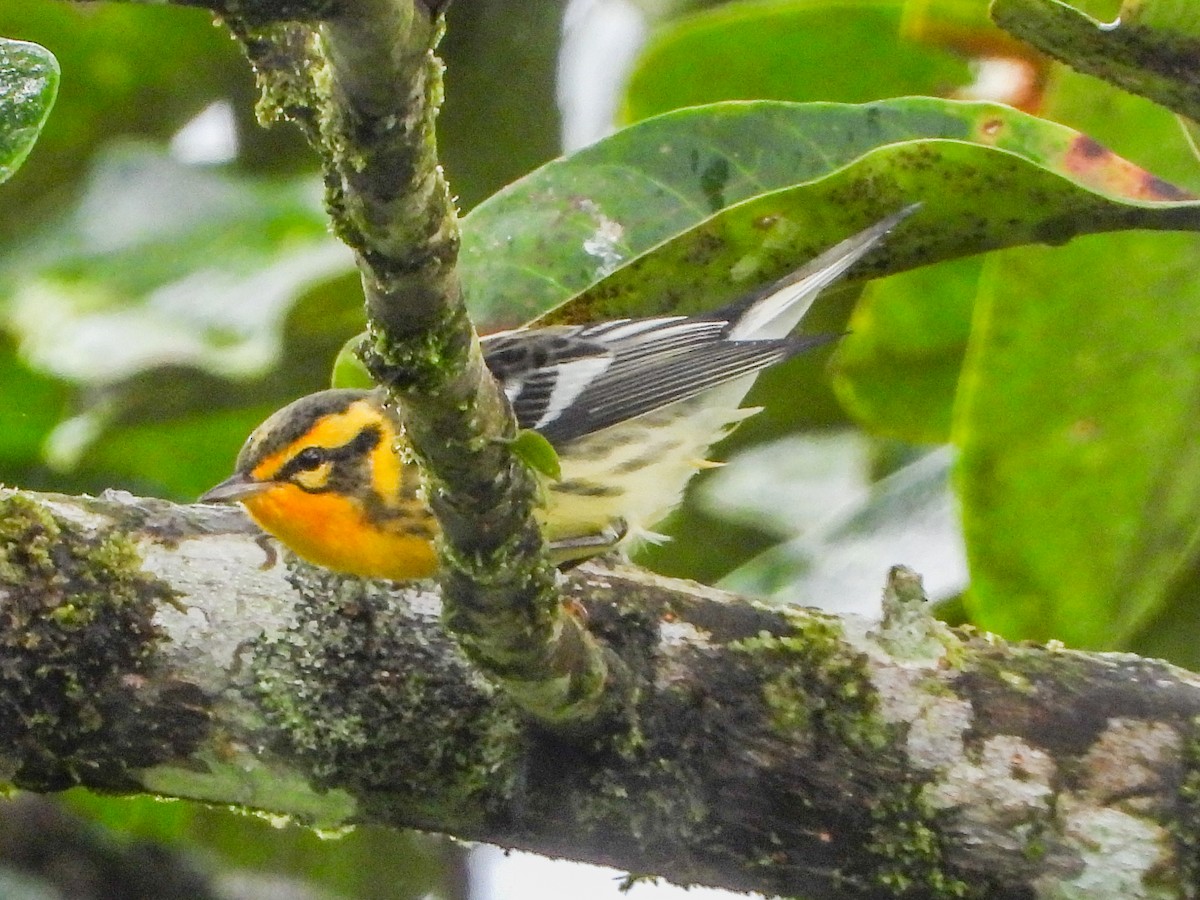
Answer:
(781, 309)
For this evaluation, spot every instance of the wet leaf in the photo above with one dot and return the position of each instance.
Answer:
(28, 86)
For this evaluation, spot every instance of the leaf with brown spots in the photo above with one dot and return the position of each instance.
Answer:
(686, 211)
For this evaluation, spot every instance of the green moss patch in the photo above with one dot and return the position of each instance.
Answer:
(393, 720)
(77, 700)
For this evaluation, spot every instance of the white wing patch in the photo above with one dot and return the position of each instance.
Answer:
(571, 379)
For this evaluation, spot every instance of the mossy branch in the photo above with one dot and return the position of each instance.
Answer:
(1156, 59)
(777, 750)
(362, 81)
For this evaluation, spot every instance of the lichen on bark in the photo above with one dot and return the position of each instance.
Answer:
(77, 638)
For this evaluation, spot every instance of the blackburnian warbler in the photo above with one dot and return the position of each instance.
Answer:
(631, 406)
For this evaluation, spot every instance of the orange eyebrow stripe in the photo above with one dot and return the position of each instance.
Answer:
(332, 430)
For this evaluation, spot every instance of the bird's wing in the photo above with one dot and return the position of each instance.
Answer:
(567, 382)
(628, 391)
(542, 371)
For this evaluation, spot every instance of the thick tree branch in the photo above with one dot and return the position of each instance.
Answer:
(361, 80)
(1158, 60)
(145, 646)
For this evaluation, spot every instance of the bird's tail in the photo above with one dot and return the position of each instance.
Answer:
(775, 310)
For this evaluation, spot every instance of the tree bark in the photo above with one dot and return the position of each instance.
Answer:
(151, 647)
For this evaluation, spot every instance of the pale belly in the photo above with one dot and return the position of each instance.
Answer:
(637, 471)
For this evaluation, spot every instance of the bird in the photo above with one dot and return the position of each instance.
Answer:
(631, 407)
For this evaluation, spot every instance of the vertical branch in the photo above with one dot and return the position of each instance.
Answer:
(365, 85)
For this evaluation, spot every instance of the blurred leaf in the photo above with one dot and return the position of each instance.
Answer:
(788, 487)
(1171, 634)
(897, 371)
(1151, 49)
(848, 538)
(365, 863)
(178, 458)
(743, 192)
(33, 405)
(1078, 423)
(164, 263)
(28, 86)
(139, 72)
(795, 50)
(965, 26)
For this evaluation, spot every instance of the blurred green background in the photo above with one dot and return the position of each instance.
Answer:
(167, 279)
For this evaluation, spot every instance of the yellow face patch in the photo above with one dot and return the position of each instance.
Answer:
(333, 430)
(314, 479)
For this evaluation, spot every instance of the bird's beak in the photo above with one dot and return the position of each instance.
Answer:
(237, 487)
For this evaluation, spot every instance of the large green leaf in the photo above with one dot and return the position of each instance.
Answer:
(742, 192)
(28, 85)
(794, 50)
(1079, 422)
(897, 371)
(1076, 498)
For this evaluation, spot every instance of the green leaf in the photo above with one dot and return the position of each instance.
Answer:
(1151, 49)
(348, 368)
(537, 453)
(787, 51)
(28, 86)
(33, 405)
(1078, 422)
(897, 371)
(743, 192)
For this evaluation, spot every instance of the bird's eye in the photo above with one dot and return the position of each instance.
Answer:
(308, 458)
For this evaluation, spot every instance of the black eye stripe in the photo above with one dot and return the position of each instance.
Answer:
(364, 442)
(313, 457)
(309, 458)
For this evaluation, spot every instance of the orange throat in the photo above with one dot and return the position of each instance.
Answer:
(333, 530)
